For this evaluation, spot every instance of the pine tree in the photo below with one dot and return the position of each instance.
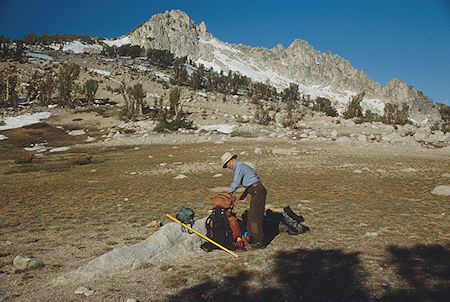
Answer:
(66, 77)
(8, 83)
(47, 87)
(90, 89)
(291, 93)
(354, 107)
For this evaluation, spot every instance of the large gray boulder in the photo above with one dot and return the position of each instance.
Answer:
(441, 191)
(168, 242)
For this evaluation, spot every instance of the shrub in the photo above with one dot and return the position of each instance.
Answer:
(174, 118)
(82, 159)
(354, 107)
(306, 100)
(324, 105)
(444, 111)
(290, 93)
(292, 119)
(262, 115)
(165, 125)
(25, 158)
(370, 117)
(395, 115)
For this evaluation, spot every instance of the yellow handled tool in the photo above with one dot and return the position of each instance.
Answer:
(204, 237)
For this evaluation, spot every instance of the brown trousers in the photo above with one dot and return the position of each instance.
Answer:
(256, 212)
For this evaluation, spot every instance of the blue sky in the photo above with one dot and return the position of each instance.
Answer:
(409, 40)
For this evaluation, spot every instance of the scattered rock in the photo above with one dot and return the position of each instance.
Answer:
(76, 132)
(381, 171)
(304, 135)
(280, 151)
(133, 173)
(361, 138)
(84, 291)
(21, 263)
(154, 224)
(90, 139)
(409, 170)
(357, 171)
(420, 136)
(258, 151)
(333, 133)
(445, 175)
(244, 153)
(218, 175)
(343, 140)
(180, 176)
(441, 191)
(371, 234)
(131, 300)
(80, 290)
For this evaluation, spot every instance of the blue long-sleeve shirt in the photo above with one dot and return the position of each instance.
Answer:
(243, 175)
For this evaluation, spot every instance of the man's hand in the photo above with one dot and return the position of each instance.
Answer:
(243, 200)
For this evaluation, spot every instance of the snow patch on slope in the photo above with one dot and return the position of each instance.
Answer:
(225, 58)
(99, 71)
(78, 47)
(37, 55)
(117, 42)
(23, 120)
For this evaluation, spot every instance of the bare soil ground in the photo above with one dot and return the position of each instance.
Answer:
(376, 235)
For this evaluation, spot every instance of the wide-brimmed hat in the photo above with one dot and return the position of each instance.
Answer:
(227, 157)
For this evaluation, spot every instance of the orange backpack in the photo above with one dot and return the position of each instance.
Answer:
(224, 199)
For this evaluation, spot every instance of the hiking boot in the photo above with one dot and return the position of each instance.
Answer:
(258, 245)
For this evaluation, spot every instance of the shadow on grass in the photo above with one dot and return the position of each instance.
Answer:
(426, 271)
(333, 275)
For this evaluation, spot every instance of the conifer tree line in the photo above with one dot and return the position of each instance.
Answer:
(50, 86)
(60, 87)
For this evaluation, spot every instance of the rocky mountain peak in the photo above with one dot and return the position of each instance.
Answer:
(317, 73)
(297, 43)
(202, 28)
(174, 31)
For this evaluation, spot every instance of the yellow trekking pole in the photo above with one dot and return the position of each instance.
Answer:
(204, 237)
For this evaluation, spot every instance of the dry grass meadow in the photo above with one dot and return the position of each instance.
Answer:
(376, 235)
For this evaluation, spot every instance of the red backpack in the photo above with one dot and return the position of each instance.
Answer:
(225, 233)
